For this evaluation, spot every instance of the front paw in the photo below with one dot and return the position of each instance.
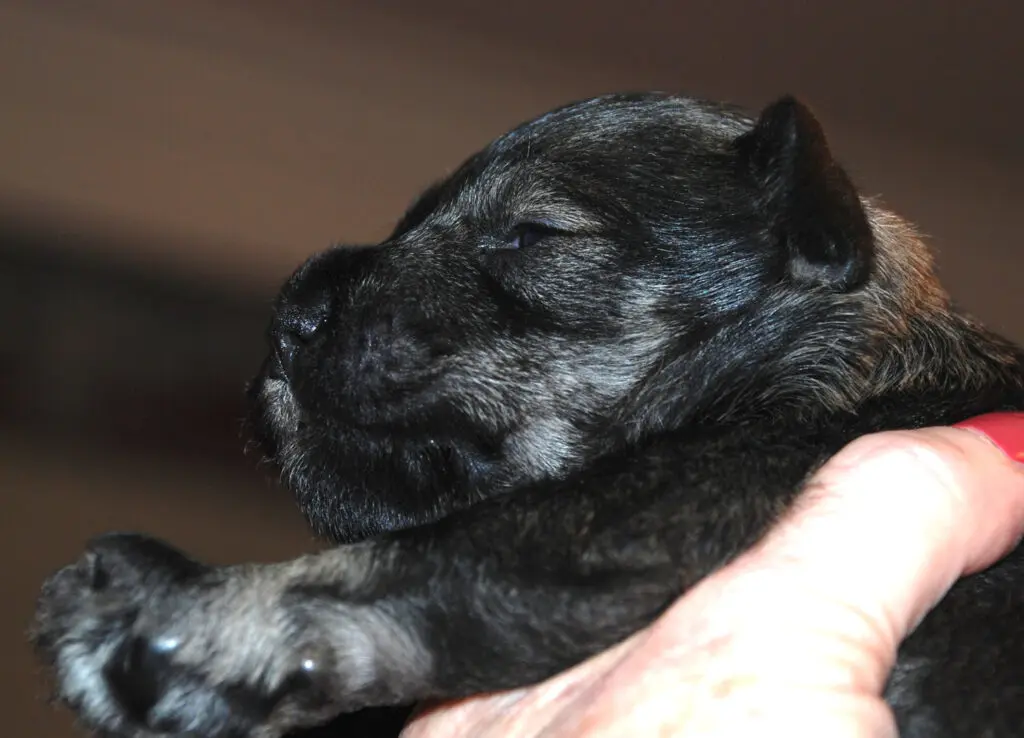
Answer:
(139, 639)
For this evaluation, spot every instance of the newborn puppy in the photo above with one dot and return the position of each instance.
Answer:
(586, 369)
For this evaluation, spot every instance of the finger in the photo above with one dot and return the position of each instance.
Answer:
(807, 623)
(895, 518)
(520, 713)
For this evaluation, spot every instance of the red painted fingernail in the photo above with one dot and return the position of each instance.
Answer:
(1005, 430)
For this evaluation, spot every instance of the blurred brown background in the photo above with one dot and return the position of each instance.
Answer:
(163, 165)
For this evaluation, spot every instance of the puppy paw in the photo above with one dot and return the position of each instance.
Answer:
(144, 641)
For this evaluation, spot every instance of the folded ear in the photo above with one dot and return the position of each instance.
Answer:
(814, 210)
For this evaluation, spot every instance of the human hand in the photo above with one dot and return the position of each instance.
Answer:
(798, 635)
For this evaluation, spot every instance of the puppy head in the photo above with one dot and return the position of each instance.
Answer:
(516, 322)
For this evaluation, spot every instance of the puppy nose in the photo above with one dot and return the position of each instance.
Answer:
(296, 324)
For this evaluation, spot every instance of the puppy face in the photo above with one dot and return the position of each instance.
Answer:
(507, 330)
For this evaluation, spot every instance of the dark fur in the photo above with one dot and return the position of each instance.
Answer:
(593, 364)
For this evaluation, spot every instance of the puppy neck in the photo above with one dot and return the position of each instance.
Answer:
(813, 354)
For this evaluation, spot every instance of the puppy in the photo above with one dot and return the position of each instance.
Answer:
(586, 369)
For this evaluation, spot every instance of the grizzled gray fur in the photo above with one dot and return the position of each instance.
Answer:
(586, 369)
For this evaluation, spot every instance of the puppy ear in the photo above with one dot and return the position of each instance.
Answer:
(815, 212)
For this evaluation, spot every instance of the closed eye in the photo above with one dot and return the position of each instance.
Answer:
(525, 235)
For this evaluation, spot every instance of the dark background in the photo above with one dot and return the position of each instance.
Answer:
(164, 165)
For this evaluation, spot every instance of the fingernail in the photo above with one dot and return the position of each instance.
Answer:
(1005, 430)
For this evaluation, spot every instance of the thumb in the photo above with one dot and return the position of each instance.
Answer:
(807, 623)
(893, 520)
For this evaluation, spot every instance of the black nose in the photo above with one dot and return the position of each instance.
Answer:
(296, 323)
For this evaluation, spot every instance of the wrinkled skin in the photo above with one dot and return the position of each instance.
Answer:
(586, 369)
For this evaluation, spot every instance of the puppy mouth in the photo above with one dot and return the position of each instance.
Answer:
(274, 416)
(273, 369)
(277, 418)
